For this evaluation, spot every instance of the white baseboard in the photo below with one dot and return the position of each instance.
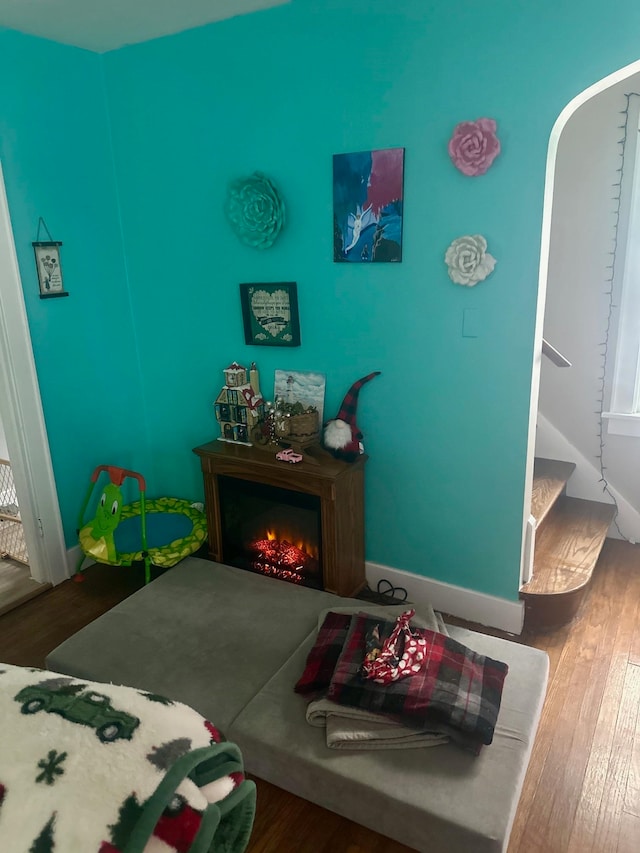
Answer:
(73, 558)
(456, 600)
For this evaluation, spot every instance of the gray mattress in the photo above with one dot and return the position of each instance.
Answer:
(231, 644)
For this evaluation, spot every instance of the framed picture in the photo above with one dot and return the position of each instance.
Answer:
(295, 386)
(270, 314)
(368, 206)
(49, 269)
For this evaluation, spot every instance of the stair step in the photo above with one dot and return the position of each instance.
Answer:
(569, 545)
(566, 552)
(549, 480)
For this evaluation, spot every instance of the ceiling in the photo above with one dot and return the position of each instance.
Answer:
(109, 24)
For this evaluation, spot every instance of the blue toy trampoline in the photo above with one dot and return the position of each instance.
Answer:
(160, 532)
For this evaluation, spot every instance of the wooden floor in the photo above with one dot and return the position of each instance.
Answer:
(582, 790)
(17, 585)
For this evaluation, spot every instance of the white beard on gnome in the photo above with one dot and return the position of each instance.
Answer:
(338, 435)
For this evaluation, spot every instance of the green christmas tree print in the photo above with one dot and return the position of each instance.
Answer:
(44, 842)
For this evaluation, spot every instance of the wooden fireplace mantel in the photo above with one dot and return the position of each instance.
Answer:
(339, 485)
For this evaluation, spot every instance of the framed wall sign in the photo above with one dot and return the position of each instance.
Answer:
(270, 314)
(49, 269)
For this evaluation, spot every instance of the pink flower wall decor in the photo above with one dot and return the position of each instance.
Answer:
(474, 146)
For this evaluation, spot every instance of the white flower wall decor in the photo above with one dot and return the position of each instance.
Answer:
(468, 261)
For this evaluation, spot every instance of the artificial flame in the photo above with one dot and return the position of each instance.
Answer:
(276, 556)
(294, 539)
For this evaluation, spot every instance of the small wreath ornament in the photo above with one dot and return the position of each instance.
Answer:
(474, 146)
(255, 210)
(468, 260)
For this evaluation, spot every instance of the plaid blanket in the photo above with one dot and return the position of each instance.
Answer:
(332, 634)
(457, 692)
(323, 657)
(353, 728)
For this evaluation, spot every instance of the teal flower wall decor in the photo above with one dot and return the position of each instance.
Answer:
(255, 210)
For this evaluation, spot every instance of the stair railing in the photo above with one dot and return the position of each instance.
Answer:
(556, 357)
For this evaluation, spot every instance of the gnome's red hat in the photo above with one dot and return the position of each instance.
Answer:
(342, 435)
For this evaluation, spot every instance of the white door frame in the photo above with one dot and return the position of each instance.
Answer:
(552, 151)
(23, 419)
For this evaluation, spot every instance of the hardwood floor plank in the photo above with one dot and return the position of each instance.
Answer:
(632, 793)
(289, 824)
(585, 822)
(634, 651)
(612, 805)
(528, 835)
(17, 585)
(553, 643)
(626, 591)
(578, 689)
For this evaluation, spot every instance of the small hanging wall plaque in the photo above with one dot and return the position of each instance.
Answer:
(48, 265)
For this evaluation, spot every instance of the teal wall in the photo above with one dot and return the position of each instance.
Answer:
(281, 91)
(56, 157)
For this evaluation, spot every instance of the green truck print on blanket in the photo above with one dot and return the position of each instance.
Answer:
(74, 703)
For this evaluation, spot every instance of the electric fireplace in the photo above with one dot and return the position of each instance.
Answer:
(301, 523)
(271, 530)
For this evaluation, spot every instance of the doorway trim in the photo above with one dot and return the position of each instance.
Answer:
(23, 419)
(528, 541)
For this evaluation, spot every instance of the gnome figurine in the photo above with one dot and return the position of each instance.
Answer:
(342, 436)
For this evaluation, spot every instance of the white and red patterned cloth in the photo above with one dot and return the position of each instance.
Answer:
(402, 654)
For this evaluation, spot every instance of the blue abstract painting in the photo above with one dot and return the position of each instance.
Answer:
(367, 206)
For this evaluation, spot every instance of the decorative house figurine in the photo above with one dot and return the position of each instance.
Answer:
(239, 406)
(235, 375)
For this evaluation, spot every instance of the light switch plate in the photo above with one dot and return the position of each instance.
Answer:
(470, 323)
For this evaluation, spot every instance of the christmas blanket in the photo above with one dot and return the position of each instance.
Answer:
(97, 768)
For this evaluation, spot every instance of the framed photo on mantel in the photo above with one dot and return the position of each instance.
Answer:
(270, 314)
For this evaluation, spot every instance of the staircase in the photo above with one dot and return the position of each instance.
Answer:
(570, 533)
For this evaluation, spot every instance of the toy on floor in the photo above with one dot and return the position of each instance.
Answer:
(160, 532)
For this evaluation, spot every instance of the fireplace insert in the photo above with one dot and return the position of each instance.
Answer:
(271, 530)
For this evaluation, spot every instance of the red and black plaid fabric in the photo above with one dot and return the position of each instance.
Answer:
(349, 405)
(323, 657)
(457, 691)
